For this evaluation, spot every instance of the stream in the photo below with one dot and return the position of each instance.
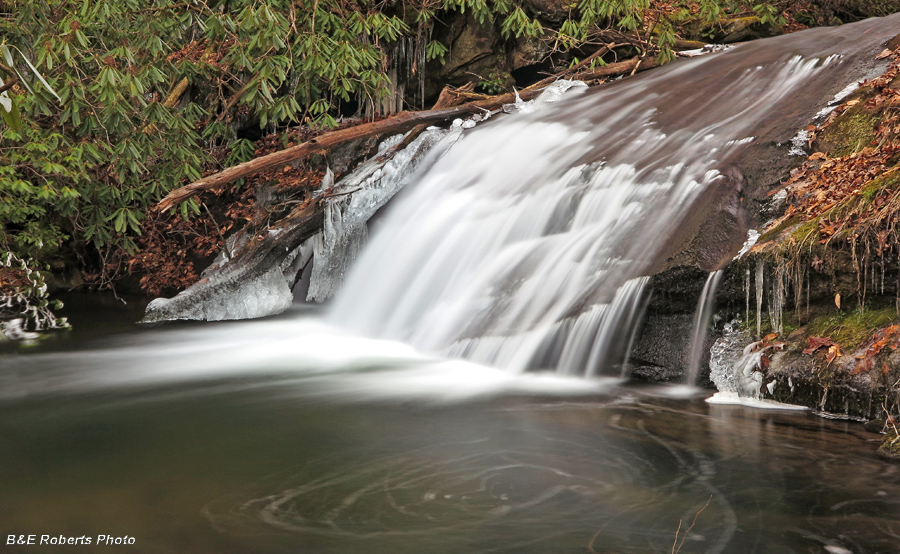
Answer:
(205, 447)
(461, 394)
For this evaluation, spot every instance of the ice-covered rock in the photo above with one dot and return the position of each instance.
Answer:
(261, 295)
(735, 365)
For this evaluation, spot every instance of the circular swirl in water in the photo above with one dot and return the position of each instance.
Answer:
(440, 489)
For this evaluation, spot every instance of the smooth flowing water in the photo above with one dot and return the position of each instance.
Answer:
(701, 324)
(531, 230)
(284, 436)
(526, 246)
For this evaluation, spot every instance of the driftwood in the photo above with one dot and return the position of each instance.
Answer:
(399, 123)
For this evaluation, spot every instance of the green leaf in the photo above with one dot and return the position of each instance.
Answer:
(435, 50)
(9, 110)
(37, 74)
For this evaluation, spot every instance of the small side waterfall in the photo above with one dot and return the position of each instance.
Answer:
(701, 321)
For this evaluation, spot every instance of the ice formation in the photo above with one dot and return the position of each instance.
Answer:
(356, 199)
(707, 49)
(752, 236)
(261, 295)
(734, 365)
(735, 369)
(553, 93)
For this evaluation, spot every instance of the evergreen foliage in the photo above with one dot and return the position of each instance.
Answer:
(112, 130)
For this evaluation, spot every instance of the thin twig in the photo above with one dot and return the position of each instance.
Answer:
(218, 230)
(684, 537)
(676, 536)
(14, 78)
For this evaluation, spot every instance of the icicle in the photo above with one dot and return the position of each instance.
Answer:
(747, 291)
(897, 291)
(799, 272)
(776, 299)
(808, 286)
(760, 266)
(865, 281)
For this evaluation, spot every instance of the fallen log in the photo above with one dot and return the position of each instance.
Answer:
(259, 256)
(399, 123)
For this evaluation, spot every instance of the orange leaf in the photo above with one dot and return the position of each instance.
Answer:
(878, 346)
(817, 156)
(862, 366)
(833, 352)
(885, 369)
(770, 337)
(816, 343)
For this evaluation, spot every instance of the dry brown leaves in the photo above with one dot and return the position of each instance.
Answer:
(766, 344)
(815, 343)
(822, 185)
(11, 277)
(885, 338)
(171, 246)
(201, 51)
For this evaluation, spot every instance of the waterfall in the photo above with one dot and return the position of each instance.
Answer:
(701, 320)
(526, 244)
(361, 194)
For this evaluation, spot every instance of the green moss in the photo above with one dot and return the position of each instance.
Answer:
(850, 329)
(884, 182)
(807, 232)
(850, 133)
(776, 231)
(890, 445)
(857, 205)
(789, 322)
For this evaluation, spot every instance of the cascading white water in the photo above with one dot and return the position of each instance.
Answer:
(523, 246)
(528, 243)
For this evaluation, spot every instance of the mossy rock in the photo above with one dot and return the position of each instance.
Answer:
(554, 11)
(890, 446)
(851, 329)
(852, 131)
(776, 232)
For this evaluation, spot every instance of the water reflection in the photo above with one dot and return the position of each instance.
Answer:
(241, 466)
(286, 436)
